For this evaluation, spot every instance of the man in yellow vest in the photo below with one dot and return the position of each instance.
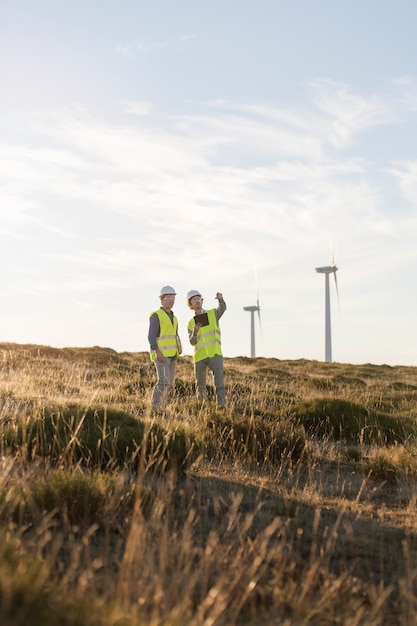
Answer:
(165, 345)
(204, 334)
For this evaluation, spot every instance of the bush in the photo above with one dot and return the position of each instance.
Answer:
(27, 597)
(73, 497)
(393, 465)
(253, 439)
(344, 420)
(102, 438)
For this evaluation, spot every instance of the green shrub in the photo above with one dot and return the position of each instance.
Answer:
(253, 439)
(28, 598)
(350, 381)
(73, 497)
(79, 497)
(100, 438)
(396, 464)
(398, 385)
(344, 420)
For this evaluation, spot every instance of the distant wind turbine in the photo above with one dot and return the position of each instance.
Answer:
(252, 309)
(327, 270)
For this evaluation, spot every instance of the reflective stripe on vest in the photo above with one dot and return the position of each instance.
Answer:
(208, 338)
(167, 340)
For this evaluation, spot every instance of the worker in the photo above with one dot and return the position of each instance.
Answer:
(165, 345)
(204, 334)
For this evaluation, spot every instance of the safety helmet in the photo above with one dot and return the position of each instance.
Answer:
(167, 290)
(191, 294)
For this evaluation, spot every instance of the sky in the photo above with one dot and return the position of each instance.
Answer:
(229, 146)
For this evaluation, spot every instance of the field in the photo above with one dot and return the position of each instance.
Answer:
(297, 505)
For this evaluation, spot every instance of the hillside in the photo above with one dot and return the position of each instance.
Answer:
(296, 505)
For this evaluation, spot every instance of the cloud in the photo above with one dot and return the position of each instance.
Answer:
(136, 107)
(408, 92)
(253, 183)
(236, 137)
(139, 47)
(163, 181)
(405, 173)
(124, 50)
(346, 114)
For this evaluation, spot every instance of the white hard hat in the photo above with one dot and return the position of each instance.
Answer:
(167, 290)
(192, 293)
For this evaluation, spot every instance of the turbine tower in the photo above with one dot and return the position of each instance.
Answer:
(327, 270)
(252, 310)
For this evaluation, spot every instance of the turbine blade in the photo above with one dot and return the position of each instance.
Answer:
(334, 261)
(258, 306)
(259, 319)
(337, 289)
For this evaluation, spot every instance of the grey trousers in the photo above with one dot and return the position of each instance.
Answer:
(165, 377)
(215, 364)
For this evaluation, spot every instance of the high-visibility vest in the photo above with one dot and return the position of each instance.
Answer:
(208, 338)
(167, 340)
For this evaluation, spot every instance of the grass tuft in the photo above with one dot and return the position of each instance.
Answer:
(100, 438)
(349, 421)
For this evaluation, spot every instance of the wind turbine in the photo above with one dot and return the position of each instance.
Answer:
(252, 309)
(327, 270)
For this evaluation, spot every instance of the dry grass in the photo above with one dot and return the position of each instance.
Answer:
(295, 506)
